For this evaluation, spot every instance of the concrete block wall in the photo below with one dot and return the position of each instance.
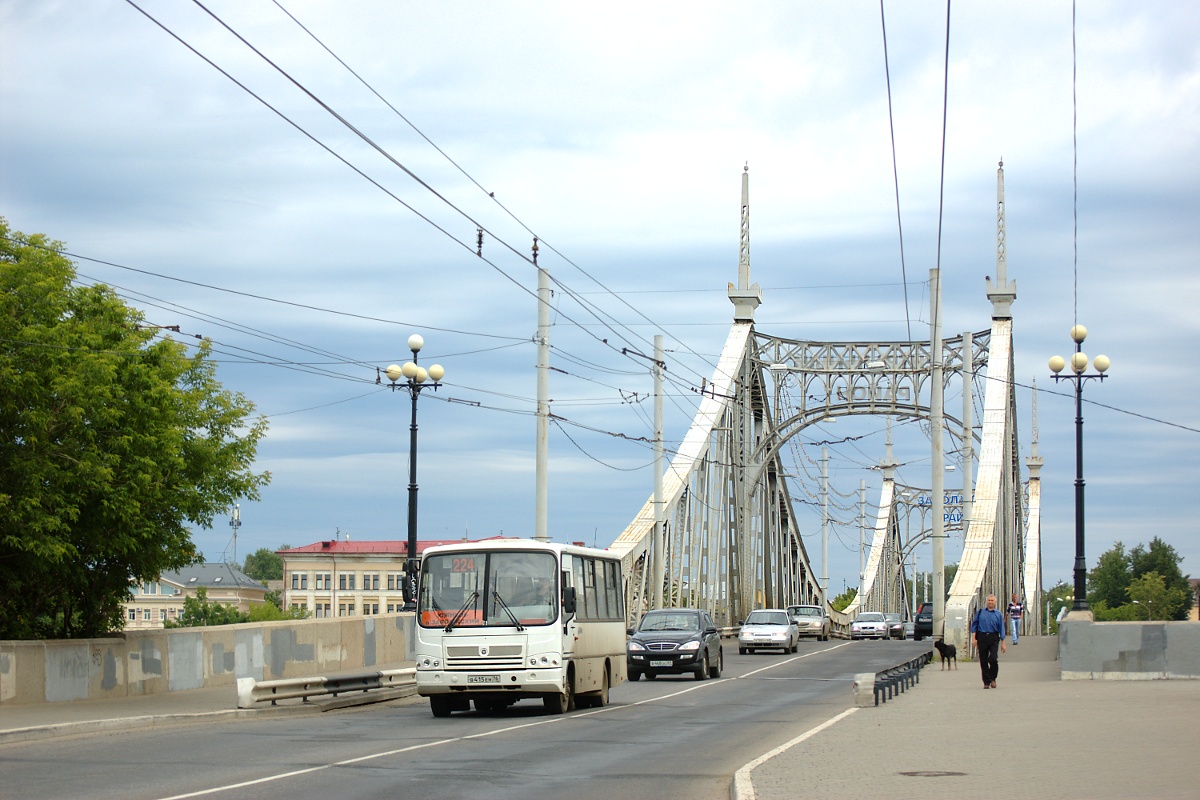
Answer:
(1128, 650)
(152, 661)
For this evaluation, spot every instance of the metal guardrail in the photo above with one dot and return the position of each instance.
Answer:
(252, 692)
(883, 686)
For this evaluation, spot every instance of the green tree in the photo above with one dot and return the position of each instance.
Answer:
(1153, 573)
(1155, 599)
(1058, 597)
(264, 564)
(113, 438)
(273, 610)
(1108, 583)
(199, 612)
(844, 599)
(1162, 559)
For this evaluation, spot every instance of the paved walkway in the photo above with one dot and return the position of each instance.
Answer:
(1032, 736)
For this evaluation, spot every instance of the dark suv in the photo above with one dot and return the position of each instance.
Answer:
(673, 641)
(923, 626)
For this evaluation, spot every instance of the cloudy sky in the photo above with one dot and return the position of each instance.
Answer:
(220, 194)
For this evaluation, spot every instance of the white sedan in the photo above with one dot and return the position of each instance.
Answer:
(768, 629)
(869, 625)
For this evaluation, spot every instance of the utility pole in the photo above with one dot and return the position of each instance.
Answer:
(542, 451)
(824, 525)
(938, 490)
(659, 533)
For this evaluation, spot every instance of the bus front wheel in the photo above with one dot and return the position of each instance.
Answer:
(561, 702)
(440, 705)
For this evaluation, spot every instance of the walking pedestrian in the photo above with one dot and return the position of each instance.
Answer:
(987, 631)
(1016, 611)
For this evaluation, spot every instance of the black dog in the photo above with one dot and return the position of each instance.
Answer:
(948, 652)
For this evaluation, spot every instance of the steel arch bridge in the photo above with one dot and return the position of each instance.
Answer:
(729, 540)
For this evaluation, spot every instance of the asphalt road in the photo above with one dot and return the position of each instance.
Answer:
(667, 738)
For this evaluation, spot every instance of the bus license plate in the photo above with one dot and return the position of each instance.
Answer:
(483, 679)
(661, 663)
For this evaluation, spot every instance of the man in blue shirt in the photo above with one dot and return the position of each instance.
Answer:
(987, 632)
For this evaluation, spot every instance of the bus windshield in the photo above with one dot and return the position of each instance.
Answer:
(499, 588)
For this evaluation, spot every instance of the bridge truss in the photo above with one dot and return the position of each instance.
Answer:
(729, 538)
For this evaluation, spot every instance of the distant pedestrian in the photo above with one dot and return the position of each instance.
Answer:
(1016, 611)
(987, 631)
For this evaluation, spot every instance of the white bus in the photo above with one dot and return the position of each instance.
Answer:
(503, 620)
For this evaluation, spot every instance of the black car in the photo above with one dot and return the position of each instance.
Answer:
(924, 623)
(674, 641)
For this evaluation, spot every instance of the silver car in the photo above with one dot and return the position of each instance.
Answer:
(811, 621)
(869, 625)
(768, 629)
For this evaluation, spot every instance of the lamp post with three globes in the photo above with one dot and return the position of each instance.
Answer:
(415, 380)
(1079, 365)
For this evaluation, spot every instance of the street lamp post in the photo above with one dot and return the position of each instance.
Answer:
(414, 382)
(1079, 365)
(1149, 608)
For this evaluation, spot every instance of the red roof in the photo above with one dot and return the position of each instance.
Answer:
(398, 547)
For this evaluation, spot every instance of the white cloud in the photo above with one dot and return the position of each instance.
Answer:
(619, 135)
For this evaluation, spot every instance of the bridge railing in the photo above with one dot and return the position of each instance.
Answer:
(252, 692)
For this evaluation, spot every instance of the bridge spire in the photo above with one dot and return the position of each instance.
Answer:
(1034, 461)
(1003, 292)
(888, 464)
(745, 296)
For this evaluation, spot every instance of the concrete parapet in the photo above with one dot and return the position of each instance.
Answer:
(1128, 650)
(147, 662)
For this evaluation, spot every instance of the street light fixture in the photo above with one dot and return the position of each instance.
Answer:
(1079, 365)
(414, 382)
(1149, 609)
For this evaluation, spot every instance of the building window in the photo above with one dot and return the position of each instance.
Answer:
(295, 580)
(304, 581)
(146, 614)
(370, 581)
(162, 614)
(133, 614)
(324, 581)
(374, 608)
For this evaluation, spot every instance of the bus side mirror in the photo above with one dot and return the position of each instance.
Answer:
(569, 599)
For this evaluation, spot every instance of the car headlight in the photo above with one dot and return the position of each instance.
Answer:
(636, 646)
(692, 645)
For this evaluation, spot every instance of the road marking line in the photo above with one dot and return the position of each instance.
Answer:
(410, 748)
(790, 660)
(743, 789)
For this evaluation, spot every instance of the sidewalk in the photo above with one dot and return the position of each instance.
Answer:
(1032, 736)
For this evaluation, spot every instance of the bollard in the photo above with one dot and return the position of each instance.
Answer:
(864, 689)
